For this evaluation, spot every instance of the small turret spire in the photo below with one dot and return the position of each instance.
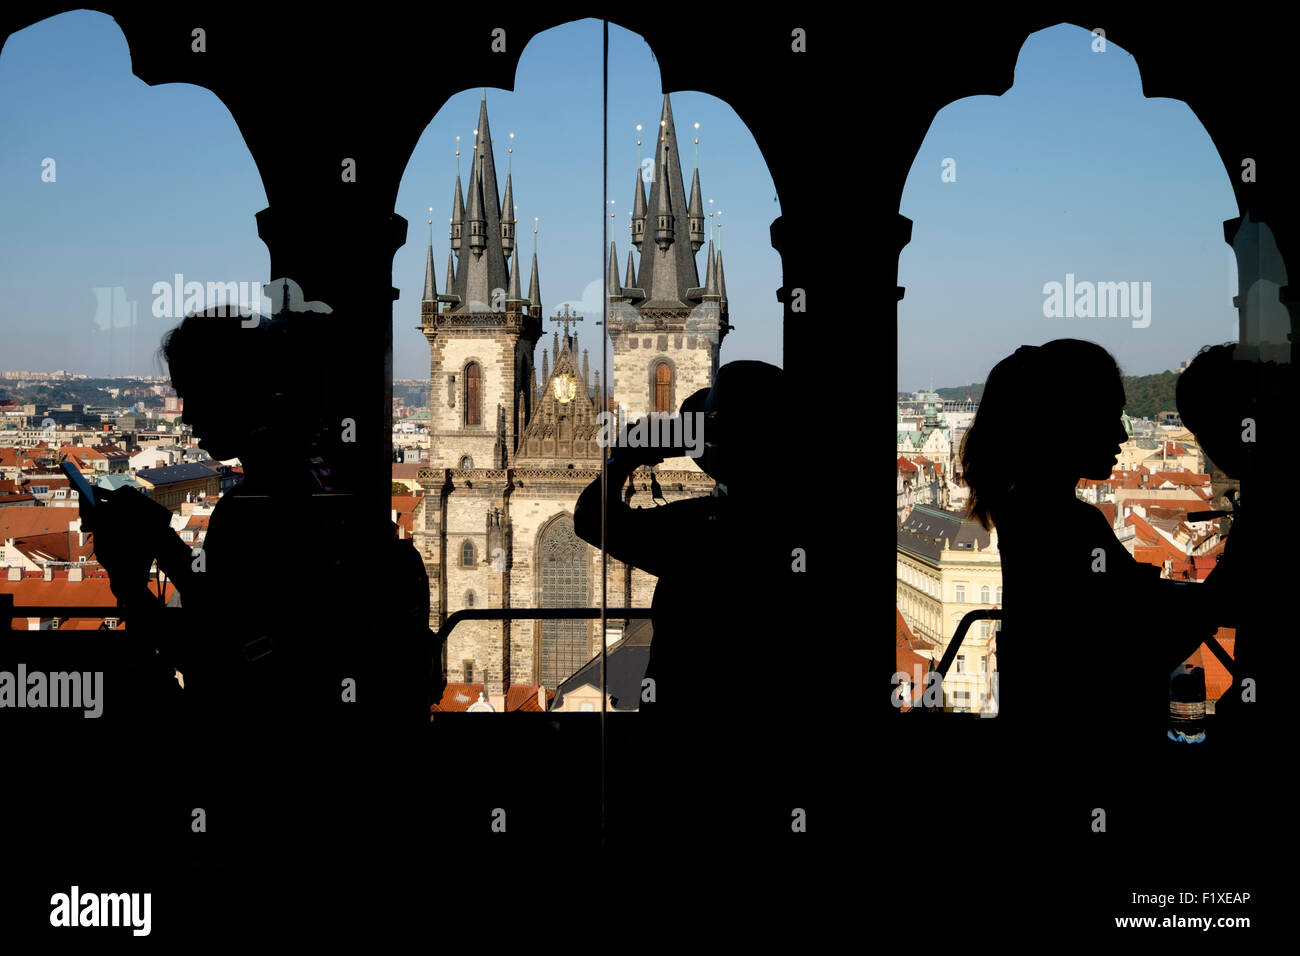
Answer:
(664, 219)
(451, 272)
(711, 275)
(722, 281)
(630, 282)
(457, 216)
(695, 214)
(615, 287)
(546, 367)
(475, 217)
(508, 218)
(586, 372)
(638, 210)
(430, 289)
(515, 295)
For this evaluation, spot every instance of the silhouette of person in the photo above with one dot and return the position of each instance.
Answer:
(303, 639)
(270, 637)
(724, 613)
(1228, 405)
(1090, 636)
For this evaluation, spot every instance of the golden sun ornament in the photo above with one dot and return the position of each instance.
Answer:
(566, 386)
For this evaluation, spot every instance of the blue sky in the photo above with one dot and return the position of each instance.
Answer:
(153, 181)
(1072, 170)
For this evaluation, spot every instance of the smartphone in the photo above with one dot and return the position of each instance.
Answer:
(84, 489)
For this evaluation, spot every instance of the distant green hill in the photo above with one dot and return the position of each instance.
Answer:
(1147, 395)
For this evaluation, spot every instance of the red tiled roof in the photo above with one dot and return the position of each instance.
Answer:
(1192, 479)
(457, 698)
(1217, 679)
(524, 697)
(82, 624)
(906, 660)
(25, 522)
(55, 546)
(1108, 509)
(905, 465)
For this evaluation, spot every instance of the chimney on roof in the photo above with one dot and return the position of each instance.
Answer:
(49, 572)
(15, 574)
(74, 573)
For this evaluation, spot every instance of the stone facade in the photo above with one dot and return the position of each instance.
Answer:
(501, 485)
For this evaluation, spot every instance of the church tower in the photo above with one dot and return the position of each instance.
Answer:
(481, 330)
(665, 327)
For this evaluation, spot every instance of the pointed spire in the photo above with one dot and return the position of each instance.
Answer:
(586, 372)
(668, 269)
(430, 289)
(638, 210)
(630, 282)
(457, 219)
(508, 219)
(695, 214)
(722, 282)
(537, 389)
(596, 397)
(615, 287)
(546, 367)
(555, 346)
(451, 272)
(711, 275)
(515, 295)
(534, 295)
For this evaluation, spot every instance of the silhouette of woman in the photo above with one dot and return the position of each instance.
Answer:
(1091, 635)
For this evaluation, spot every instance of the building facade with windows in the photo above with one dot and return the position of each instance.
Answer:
(947, 566)
(512, 446)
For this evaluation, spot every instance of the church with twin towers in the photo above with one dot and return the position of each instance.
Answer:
(512, 446)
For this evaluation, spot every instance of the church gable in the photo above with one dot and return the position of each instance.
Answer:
(563, 428)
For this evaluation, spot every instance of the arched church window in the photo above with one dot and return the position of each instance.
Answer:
(467, 462)
(663, 388)
(563, 569)
(467, 554)
(473, 394)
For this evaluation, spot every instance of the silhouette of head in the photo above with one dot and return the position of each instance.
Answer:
(1081, 379)
(744, 421)
(1215, 395)
(224, 373)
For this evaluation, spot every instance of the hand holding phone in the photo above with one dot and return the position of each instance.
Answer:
(85, 491)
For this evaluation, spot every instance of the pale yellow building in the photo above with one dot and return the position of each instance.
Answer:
(948, 566)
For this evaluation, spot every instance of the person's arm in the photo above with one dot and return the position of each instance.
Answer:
(635, 536)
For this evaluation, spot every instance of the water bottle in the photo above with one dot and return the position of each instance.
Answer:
(1187, 705)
